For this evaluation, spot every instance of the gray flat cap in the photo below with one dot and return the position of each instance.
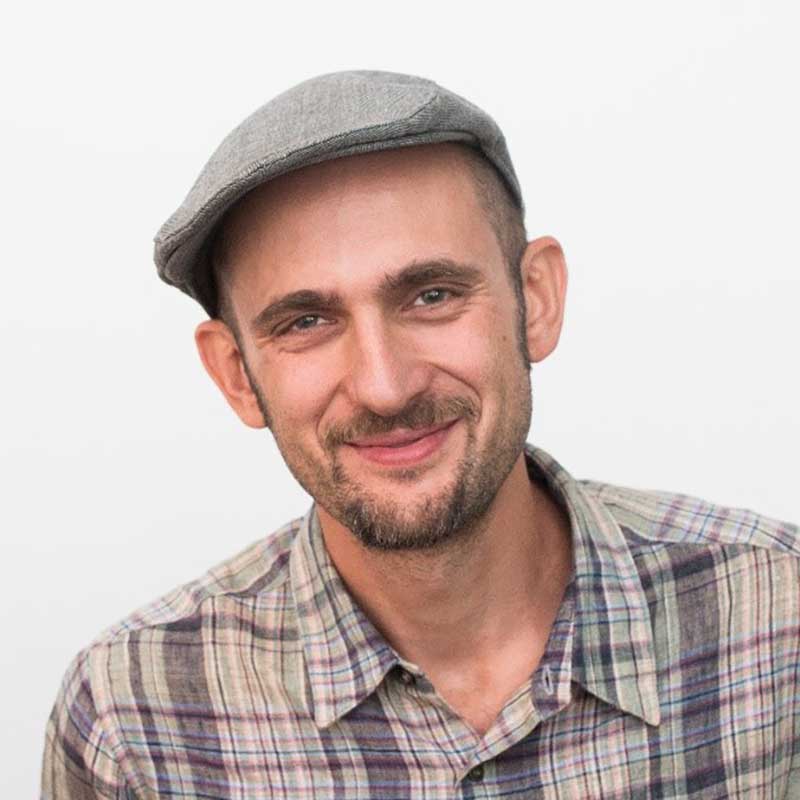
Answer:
(327, 117)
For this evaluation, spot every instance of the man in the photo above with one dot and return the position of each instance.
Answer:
(456, 615)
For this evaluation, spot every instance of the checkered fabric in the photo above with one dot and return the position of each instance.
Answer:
(672, 671)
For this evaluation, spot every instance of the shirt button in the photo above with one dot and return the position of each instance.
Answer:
(406, 677)
(476, 773)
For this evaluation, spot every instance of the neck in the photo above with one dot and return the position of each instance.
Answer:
(496, 585)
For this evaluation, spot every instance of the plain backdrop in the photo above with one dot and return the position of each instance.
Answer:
(657, 141)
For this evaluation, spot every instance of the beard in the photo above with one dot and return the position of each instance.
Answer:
(380, 523)
(430, 521)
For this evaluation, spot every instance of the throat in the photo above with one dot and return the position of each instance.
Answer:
(479, 696)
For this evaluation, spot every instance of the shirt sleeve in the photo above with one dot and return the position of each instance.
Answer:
(78, 763)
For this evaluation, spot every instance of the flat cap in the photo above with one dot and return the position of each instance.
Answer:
(327, 117)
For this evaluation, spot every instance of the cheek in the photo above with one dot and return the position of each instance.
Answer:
(492, 332)
(297, 393)
(495, 363)
(475, 352)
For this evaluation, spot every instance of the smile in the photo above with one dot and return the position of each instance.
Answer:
(402, 447)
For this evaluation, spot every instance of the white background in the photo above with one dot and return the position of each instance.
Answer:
(657, 141)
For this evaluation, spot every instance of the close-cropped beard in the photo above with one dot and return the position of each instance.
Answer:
(429, 521)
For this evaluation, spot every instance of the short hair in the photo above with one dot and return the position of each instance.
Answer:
(508, 223)
(495, 198)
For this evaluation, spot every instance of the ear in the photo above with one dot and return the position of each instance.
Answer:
(544, 285)
(223, 361)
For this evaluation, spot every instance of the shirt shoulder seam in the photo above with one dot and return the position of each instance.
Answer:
(651, 507)
(187, 599)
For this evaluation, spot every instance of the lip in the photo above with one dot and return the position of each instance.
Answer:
(403, 447)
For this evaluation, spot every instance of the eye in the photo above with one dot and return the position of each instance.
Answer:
(308, 321)
(305, 323)
(431, 297)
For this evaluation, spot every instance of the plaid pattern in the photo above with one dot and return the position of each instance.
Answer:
(672, 671)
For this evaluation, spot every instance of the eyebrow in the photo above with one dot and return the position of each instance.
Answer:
(300, 302)
(413, 275)
(420, 273)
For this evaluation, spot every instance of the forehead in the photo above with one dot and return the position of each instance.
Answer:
(347, 221)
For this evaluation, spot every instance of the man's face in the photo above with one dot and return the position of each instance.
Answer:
(379, 331)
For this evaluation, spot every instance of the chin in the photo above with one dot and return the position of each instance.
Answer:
(427, 521)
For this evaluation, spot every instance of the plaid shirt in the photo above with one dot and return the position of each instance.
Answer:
(672, 671)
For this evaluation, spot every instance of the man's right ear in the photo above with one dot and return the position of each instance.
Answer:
(223, 361)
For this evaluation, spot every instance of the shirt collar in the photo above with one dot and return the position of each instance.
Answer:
(346, 657)
(613, 651)
(613, 657)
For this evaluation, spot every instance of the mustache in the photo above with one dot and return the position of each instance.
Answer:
(423, 412)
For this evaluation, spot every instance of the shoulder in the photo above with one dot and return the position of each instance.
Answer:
(161, 654)
(722, 589)
(659, 519)
(707, 553)
(256, 577)
(260, 571)
(247, 592)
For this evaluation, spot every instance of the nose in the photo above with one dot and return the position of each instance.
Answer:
(385, 370)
